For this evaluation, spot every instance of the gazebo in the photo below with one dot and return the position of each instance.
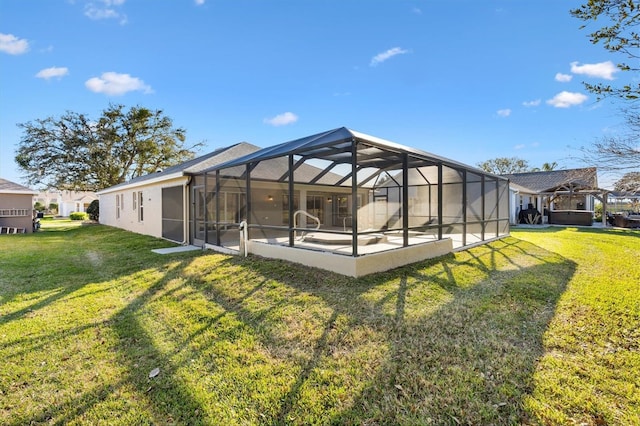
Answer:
(348, 202)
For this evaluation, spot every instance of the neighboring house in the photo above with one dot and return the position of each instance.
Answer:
(558, 196)
(339, 200)
(68, 201)
(16, 208)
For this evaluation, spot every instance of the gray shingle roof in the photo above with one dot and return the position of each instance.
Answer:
(538, 182)
(8, 186)
(195, 165)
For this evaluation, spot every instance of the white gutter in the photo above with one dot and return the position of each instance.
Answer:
(18, 192)
(125, 186)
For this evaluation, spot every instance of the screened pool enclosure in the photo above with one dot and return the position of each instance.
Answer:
(345, 198)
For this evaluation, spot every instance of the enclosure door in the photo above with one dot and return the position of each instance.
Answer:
(173, 213)
(381, 213)
(199, 201)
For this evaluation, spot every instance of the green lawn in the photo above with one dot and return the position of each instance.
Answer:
(539, 328)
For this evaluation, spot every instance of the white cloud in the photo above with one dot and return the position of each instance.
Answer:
(533, 103)
(563, 78)
(504, 112)
(13, 45)
(105, 9)
(282, 119)
(566, 99)
(48, 73)
(199, 2)
(601, 70)
(381, 57)
(417, 10)
(112, 83)
(519, 146)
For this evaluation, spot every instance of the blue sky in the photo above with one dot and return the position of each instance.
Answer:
(468, 80)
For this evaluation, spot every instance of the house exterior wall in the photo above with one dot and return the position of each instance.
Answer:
(68, 201)
(121, 207)
(67, 207)
(16, 211)
(353, 266)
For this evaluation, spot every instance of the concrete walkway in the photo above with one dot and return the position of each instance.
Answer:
(178, 249)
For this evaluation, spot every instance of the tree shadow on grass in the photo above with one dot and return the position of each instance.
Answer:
(469, 359)
(448, 340)
(164, 398)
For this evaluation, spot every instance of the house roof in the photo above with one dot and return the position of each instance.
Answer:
(624, 194)
(335, 147)
(8, 187)
(192, 166)
(555, 180)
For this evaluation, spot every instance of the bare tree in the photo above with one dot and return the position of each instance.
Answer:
(616, 22)
(617, 153)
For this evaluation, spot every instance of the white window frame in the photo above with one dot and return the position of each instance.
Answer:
(140, 207)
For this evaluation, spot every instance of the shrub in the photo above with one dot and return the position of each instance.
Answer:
(94, 210)
(78, 216)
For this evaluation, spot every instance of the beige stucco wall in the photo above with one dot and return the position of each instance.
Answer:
(128, 218)
(354, 266)
(17, 201)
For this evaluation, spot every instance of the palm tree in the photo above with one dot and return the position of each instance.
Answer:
(546, 167)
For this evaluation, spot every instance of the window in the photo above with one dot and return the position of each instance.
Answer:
(140, 206)
(134, 199)
(234, 209)
(117, 206)
(285, 207)
(315, 206)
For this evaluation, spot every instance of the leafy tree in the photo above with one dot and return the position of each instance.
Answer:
(617, 35)
(38, 206)
(629, 182)
(73, 152)
(504, 165)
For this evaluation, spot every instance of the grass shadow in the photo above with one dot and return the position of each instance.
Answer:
(467, 357)
(255, 341)
(103, 262)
